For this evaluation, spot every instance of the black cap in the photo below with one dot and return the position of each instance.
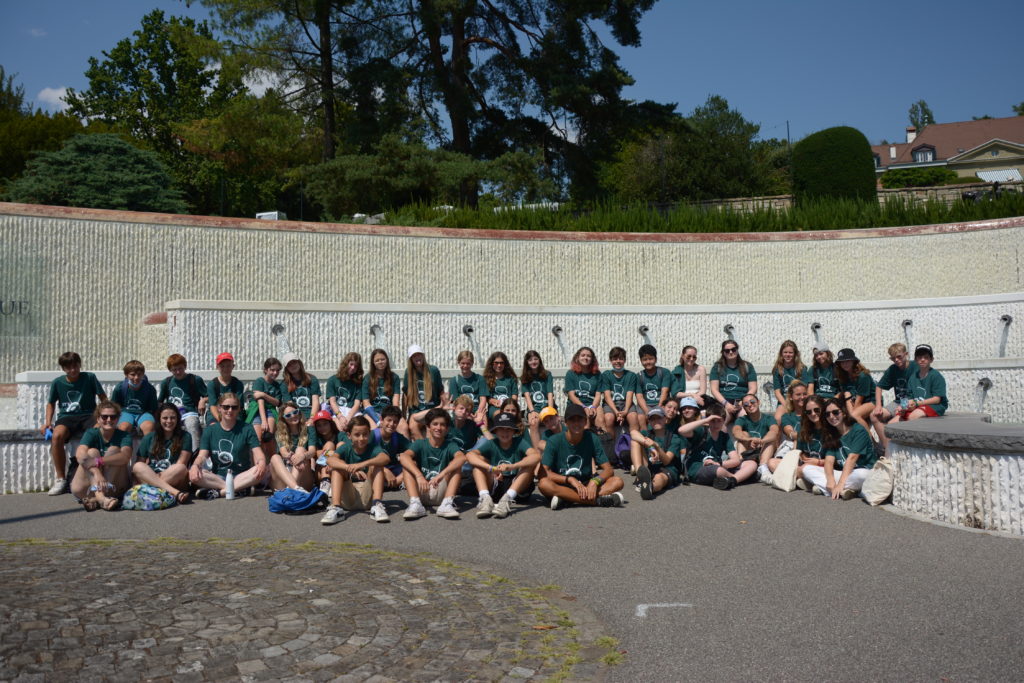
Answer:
(505, 420)
(574, 410)
(923, 349)
(846, 354)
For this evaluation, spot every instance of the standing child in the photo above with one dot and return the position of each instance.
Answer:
(538, 386)
(72, 400)
(357, 481)
(503, 468)
(421, 389)
(224, 382)
(432, 467)
(345, 389)
(137, 398)
(469, 383)
(266, 397)
(619, 387)
(501, 382)
(185, 390)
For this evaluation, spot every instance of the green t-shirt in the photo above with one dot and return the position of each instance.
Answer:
(702, 446)
(650, 386)
(214, 389)
(619, 385)
(538, 390)
(229, 450)
(897, 379)
(493, 453)
(437, 386)
(395, 446)
(790, 420)
(782, 380)
(345, 393)
(863, 386)
(473, 386)
(93, 438)
(349, 455)
(585, 385)
(505, 387)
(317, 442)
(160, 461)
(733, 385)
(293, 441)
(756, 429)
(135, 401)
(75, 398)
(465, 436)
(302, 396)
(379, 397)
(825, 383)
(856, 440)
(574, 460)
(812, 448)
(273, 389)
(933, 384)
(665, 440)
(432, 460)
(184, 393)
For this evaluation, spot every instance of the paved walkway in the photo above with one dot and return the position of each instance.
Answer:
(699, 584)
(179, 611)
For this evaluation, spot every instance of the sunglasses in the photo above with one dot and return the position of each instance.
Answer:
(108, 417)
(290, 415)
(749, 403)
(814, 411)
(690, 357)
(229, 406)
(731, 350)
(498, 362)
(833, 413)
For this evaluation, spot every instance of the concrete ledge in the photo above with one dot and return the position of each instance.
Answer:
(962, 470)
(25, 464)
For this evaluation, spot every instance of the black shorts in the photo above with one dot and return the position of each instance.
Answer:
(76, 424)
(506, 483)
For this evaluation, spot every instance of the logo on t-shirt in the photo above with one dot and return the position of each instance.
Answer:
(468, 390)
(223, 455)
(585, 389)
(422, 394)
(538, 392)
(301, 395)
(74, 401)
(177, 397)
(731, 381)
(573, 465)
(433, 465)
(618, 393)
(651, 392)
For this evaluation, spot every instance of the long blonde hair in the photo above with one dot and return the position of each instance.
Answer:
(281, 433)
(412, 397)
(798, 364)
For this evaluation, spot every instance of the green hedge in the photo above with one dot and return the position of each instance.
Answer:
(918, 177)
(833, 163)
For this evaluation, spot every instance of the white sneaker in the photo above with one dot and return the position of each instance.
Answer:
(415, 511)
(766, 478)
(817, 490)
(58, 487)
(448, 511)
(764, 474)
(556, 503)
(379, 513)
(325, 486)
(801, 484)
(502, 508)
(484, 509)
(332, 516)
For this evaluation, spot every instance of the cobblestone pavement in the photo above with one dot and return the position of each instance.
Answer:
(251, 610)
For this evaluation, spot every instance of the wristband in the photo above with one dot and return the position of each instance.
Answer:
(597, 480)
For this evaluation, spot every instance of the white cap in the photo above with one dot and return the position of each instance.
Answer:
(414, 349)
(288, 358)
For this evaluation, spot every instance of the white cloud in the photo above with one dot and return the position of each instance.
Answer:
(52, 98)
(36, 32)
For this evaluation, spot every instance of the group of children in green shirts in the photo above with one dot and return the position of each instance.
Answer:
(498, 433)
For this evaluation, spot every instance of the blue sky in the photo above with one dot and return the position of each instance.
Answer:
(814, 64)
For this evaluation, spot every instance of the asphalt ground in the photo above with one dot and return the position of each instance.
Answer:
(757, 584)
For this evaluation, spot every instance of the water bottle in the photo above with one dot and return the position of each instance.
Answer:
(904, 403)
(230, 486)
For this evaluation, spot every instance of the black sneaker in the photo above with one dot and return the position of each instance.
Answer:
(725, 483)
(644, 479)
(612, 500)
(208, 494)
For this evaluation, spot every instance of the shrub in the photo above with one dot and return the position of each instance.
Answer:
(919, 177)
(833, 163)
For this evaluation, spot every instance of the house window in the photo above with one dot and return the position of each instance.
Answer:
(995, 152)
(878, 162)
(924, 154)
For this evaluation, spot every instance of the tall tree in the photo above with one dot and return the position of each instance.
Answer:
(1019, 109)
(920, 115)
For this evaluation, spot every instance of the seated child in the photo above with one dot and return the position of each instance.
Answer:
(503, 467)
(567, 466)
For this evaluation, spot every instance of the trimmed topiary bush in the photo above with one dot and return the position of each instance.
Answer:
(834, 163)
(918, 177)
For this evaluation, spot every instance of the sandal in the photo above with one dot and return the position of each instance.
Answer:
(183, 497)
(90, 505)
(111, 504)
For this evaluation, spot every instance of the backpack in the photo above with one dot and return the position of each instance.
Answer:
(295, 502)
(146, 497)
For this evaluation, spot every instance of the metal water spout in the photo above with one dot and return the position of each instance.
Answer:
(378, 338)
(769, 390)
(645, 331)
(908, 333)
(816, 331)
(560, 337)
(1004, 334)
(730, 332)
(284, 349)
(473, 346)
(981, 392)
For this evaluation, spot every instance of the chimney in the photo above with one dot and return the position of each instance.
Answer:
(911, 134)
(892, 151)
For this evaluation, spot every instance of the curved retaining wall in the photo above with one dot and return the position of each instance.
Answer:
(85, 279)
(960, 471)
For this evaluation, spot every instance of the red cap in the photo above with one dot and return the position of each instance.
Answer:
(223, 357)
(322, 415)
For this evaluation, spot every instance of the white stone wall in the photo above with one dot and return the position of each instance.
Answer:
(88, 278)
(974, 489)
